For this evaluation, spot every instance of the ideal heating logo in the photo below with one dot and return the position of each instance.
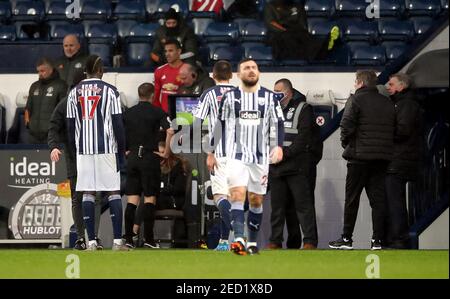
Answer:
(26, 174)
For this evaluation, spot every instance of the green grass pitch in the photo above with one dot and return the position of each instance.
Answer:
(206, 264)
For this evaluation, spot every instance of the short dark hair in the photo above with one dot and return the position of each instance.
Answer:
(94, 64)
(286, 82)
(172, 41)
(44, 60)
(403, 78)
(244, 61)
(146, 90)
(367, 77)
(222, 70)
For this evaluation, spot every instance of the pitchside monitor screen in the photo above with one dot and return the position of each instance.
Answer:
(181, 107)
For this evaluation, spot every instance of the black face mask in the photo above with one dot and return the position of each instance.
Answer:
(175, 31)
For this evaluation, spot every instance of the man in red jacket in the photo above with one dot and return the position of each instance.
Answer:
(167, 79)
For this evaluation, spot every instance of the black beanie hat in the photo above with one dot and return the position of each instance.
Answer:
(171, 14)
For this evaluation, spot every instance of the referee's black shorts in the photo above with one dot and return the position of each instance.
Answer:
(143, 175)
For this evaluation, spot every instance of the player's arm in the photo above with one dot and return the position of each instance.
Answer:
(55, 126)
(278, 122)
(71, 113)
(157, 96)
(118, 127)
(303, 139)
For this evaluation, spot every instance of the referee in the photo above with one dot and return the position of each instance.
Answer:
(142, 126)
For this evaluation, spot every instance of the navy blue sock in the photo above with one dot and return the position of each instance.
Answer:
(238, 218)
(254, 220)
(115, 209)
(88, 206)
(224, 207)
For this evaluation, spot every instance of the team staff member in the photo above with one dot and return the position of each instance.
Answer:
(292, 180)
(142, 124)
(73, 60)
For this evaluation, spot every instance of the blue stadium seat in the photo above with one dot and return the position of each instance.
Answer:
(254, 31)
(391, 8)
(30, 30)
(350, 8)
(366, 54)
(421, 24)
(213, 46)
(102, 33)
(361, 31)
(444, 5)
(203, 55)
(104, 50)
(242, 22)
(395, 30)
(261, 54)
(394, 49)
(134, 10)
(7, 33)
(423, 7)
(56, 11)
(319, 8)
(59, 30)
(96, 10)
(5, 12)
(138, 54)
(29, 11)
(232, 54)
(200, 25)
(144, 30)
(157, 8)
(24, 55)
(221, 32)
(124, 27)
(320, 27)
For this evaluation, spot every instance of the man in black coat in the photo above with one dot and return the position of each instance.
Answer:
(292, 181)
(367, 134)
(405, 164)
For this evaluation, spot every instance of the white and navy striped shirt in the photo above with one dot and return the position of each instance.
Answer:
(92, 103)
(251, 121)
(208, 107)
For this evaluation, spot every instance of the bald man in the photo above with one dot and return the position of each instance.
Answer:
(72, 61)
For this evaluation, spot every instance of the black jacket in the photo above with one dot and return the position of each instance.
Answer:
(408, 143)
(57, 137)
(367, 126)
(306, 148)
(69, 67)
(203, 82)
(43, 97)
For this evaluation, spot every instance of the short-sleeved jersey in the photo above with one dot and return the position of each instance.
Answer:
(208, 108)
(251, 120)
(167, 82)
(92, 103)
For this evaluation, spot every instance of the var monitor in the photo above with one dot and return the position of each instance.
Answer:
(181, 108)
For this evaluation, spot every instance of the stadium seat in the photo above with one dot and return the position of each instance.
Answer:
(444, 5)
(391, 8)
(146, 30)
(7, 33)
(232, 54)
(421, 24)
(366, 54)
(261, 54)
(361, 31)
(138, 53)
(394, 49)
(102, 31)
(101, 40)
(254, 31)
(320, 27)
(56, 11)
(96, 10)
(319, 8)
(350, 8)
(28, 11)
(221, 32)
(130, 10)
(395, 30)
(59, 30)
(18, 133)
(124, 27)
(242, 22)
(5, 12)
(213, 46)
(423, 7)
(104, 50)
(157, 8)
(200, 24)
(323, 104)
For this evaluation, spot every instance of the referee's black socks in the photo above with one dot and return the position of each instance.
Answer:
(130, 212)
(149, 221)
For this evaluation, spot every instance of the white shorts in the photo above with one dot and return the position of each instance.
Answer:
(97, 173)
(219, 179)
(251, 176)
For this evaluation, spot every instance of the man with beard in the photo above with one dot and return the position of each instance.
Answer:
(252, 117)
(174, 28)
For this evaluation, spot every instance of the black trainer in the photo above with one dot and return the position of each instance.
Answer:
(99, 244)
(341, 243)
(80, 244)
(375, 245)
(152, 245)
(251, 250)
